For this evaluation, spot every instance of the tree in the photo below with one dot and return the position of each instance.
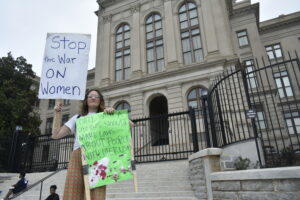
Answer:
(18, 96)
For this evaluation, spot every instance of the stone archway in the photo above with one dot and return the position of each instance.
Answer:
(158, 109)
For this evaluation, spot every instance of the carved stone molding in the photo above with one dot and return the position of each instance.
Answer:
(135, 8)
(105, 82)
(279, 24)
(107, 19)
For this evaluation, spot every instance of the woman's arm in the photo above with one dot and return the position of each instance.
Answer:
(62, 132)
(58, 131)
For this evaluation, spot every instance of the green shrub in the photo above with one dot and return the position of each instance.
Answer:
(241, 163)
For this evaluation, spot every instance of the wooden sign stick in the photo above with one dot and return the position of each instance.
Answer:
(85, 168)
(57, 117)
(133, 165)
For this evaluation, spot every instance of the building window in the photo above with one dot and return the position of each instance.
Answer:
(154, 44)
(274, 51)
(292, 120)
(66, 102)
(242, 38)
(91, 76)
(65, 118)
(123, 105)
(51, 104)
(49, 123)
(194, 97)
(251, 77)
(283, 84)
(122, 53)
(260, 119)
(190, 33)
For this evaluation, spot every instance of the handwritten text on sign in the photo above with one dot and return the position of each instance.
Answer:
(65, 66)
(105, 139)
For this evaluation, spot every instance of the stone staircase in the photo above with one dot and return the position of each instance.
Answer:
(9, 179)
(156, 181)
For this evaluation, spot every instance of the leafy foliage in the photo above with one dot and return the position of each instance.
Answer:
(241, 163)
(18, 96)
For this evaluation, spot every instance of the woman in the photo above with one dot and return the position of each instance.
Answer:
(74, 185)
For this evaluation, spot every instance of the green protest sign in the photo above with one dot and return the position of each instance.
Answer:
(106, 141)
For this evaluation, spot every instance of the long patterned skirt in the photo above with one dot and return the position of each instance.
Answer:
(74, 185)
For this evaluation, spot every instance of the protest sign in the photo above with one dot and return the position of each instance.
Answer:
(106, 141)
(65, 65)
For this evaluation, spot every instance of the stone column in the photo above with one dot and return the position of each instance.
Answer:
(102, 72)
(209, 28)
(135, 43)
(170, 44)
(222, 27)
(136, 103)
(175, 97)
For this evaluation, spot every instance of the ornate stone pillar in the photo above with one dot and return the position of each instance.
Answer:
(103, 52)
(135, 43)
(170, 45)
(209, 28)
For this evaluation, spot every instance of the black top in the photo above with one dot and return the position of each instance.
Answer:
(53, 197)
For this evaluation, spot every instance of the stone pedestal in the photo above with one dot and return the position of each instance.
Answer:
(202, 164)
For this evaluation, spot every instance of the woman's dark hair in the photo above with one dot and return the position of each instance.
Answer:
(84, 106)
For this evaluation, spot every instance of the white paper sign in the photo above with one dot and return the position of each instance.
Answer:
(65, 66)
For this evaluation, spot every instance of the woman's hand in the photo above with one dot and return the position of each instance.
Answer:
(58, 107)
(109, 110)
(131, 124)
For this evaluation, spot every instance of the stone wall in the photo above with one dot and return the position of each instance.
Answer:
(262, 184)
(209, 182)
(201, 165)
(196, 176)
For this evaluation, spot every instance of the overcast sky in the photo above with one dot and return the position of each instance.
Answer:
(25, 23)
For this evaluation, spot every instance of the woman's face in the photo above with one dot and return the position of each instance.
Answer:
(93, 99)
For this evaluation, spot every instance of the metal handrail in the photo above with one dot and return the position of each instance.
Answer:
(35, 184)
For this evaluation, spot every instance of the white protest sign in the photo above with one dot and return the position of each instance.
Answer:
(65, 66)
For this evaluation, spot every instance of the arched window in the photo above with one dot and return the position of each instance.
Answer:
(123, 105)
(154, 43)
(122, 56)
(190, 33)
(194, 97)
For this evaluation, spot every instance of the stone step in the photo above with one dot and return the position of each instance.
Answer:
(151, 194)
(154, 198)
(116, 189)
(168, 167)
(148, 183)
(36, 197)
(154, 178)
(156, 181)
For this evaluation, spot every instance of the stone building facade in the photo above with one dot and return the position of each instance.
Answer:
(195, 40)
(160, 56)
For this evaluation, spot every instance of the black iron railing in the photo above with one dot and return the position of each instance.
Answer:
(45, 154)
(260, 101)
(167, 137)
(158, 138)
